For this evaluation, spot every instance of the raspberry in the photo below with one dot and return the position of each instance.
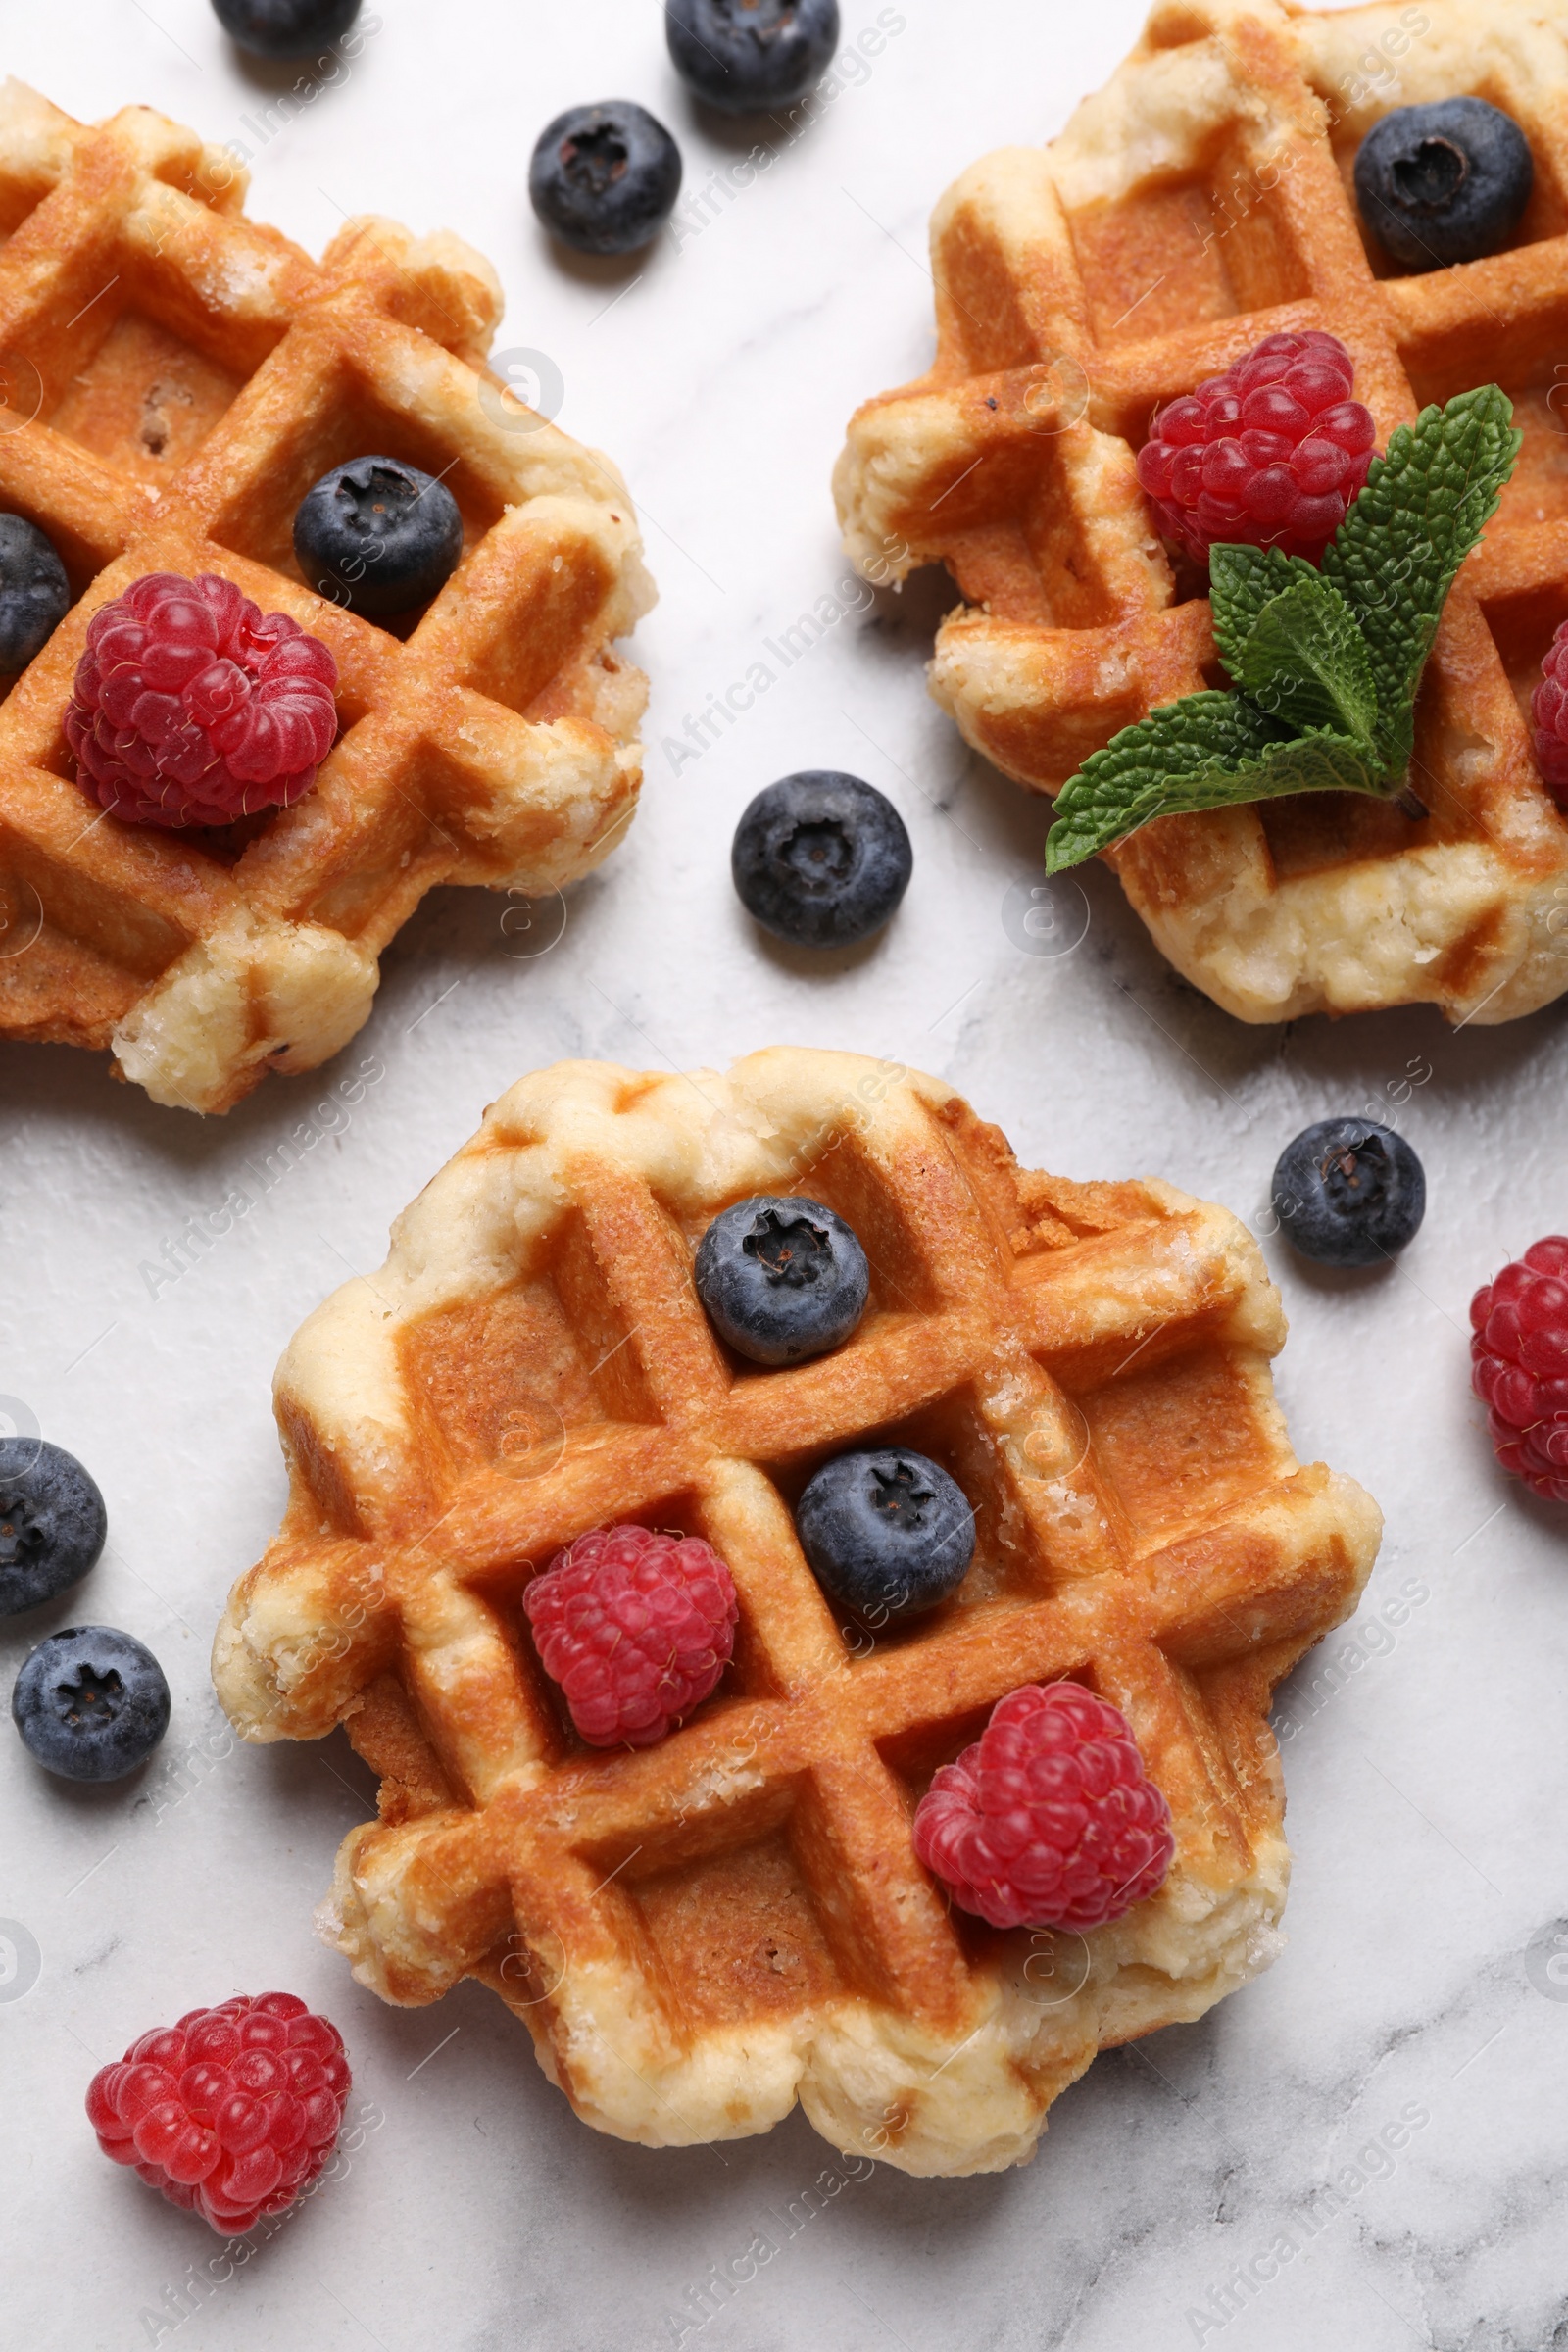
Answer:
(1049, 1820)
(635, 1627)
(1550, 709)
(1270, 454)
(192, 708)
(1519, 1352)
(231, 2112)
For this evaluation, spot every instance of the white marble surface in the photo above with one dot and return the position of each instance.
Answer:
(1428, 1790)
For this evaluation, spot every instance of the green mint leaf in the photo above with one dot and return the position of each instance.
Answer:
(1241, 580)
(1199, 742)
(1326, 663)
(1306, 664)
(1129, 783)
(1394, 557)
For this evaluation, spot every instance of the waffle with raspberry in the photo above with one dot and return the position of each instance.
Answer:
(1199, 204)
(175, 378)
(701, 1932)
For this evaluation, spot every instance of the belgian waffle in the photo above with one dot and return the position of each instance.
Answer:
(1200, 202)
(175, 378)
(702, 1932)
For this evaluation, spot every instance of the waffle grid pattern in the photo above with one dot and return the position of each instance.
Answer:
(175, 379)
(702, 1932)
(1199, 202)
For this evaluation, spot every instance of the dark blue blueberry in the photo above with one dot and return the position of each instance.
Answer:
(605, 178)
(888, 1533)
(743, 55)
(781, 1279)
(285, 27)
(91, 1703)
(1350, 1192)
(1445, 182)
(35, 593)
(377, 536)
(821, 860)
(51, 1522)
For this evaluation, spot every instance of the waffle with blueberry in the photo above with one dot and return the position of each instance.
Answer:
(302, 611)
(1389, 177)
(723, 1480)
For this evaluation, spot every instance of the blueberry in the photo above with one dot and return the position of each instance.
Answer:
(35, 593)
(1350, 1192)
(285, 27)
(91, 1703)
(1445, 182)
(605, 178)
(781, 1279)
(51, 1522)
(821, 860)
(377, 535)
(888, 1533)
(742, 55)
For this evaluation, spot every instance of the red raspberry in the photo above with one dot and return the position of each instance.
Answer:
(190, 709)
(1049, 1820)
(1519, 1354)
(636, 1627)
(1549, 710)
(231, 2112)
(1271, 453)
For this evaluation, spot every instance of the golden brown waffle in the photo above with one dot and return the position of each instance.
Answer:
(1200, 202)
(175, 378)
(702, 1932)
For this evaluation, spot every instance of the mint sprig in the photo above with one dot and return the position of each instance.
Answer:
(1326, 662)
